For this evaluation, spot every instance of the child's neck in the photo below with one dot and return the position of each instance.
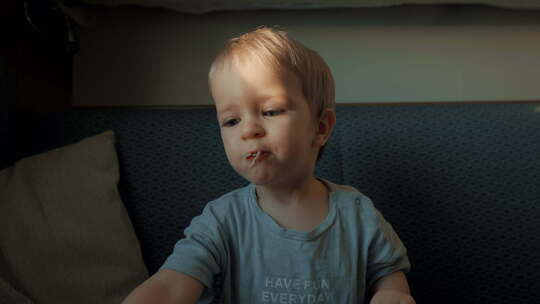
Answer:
(301, 207)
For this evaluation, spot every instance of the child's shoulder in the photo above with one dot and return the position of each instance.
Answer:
(236, 195)
(234, 201)
(346, 192)
(347, 189)
(349, 197)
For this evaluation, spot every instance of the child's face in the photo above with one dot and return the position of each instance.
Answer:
(261, 111)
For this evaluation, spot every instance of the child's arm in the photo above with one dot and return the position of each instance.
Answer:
(392, 289)
(166, 287)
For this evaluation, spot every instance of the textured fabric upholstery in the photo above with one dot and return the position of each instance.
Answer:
(459, 183)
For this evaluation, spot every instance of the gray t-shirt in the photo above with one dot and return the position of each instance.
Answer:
(262, 262)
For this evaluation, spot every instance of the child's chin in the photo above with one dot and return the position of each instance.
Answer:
(258, 180)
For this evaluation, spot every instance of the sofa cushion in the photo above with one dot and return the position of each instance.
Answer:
(66, 235)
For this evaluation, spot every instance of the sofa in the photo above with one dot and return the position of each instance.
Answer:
(460, 183)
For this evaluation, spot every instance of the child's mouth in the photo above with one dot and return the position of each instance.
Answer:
(256, 155)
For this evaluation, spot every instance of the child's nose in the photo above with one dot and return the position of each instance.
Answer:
(252, 129)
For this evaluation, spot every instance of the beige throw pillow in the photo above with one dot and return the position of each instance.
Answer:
(65, 235)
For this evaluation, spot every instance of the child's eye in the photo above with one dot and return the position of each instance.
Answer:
(273, 112)
(230, 122)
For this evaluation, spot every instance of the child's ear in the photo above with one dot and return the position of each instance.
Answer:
(324, 127)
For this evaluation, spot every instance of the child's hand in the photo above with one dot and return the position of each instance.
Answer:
(386, 296)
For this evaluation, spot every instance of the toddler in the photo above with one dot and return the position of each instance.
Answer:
(288, 236)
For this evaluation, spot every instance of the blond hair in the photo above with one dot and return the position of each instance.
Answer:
(281, 52)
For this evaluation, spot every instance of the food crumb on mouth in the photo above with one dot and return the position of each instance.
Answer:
(254, 158)
(254, 155)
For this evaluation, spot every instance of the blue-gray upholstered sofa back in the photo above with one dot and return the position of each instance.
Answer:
(459, 182)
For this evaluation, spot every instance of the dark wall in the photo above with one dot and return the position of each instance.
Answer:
(35, 67)
(5, 142)
(36, 60)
